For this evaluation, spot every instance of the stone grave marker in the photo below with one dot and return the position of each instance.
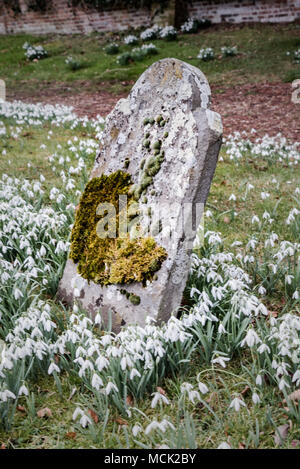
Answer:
(2, 90)
(138, 215)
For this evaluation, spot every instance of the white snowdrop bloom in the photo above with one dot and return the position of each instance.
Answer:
(283, 384)
(255, 398)
(255, 219)
(101, 362)
(232, 197)
(220, 361)
(264, 348)
(136, 429)
(274, 364)
(133, 373)
(262, 290)
(258, 380)
(202, 387)
(296, 378)
(154, 425)
(192, 394)
(85, 421)
(98, 319)
(7, 394)
(17, 293)
(221, 329)
(264, 195)
(251, 338)
(97, 382)
(23, 390)
(295, 295)
(53, 367)
(224, 445)
(237, 403)
(159, 398)
(110, 387)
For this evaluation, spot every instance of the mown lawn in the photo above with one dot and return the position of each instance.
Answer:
(262, 56)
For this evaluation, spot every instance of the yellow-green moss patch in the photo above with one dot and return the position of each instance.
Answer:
(116, 260)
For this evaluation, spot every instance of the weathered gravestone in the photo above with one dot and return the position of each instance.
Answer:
(138, 216)
(2, 90)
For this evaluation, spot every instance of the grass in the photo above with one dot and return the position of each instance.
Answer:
(250, 428)
(214, 422)
(261, 56)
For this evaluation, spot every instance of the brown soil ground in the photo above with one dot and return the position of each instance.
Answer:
(266, 107)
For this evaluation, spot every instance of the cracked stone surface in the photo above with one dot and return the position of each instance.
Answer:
(190, 139)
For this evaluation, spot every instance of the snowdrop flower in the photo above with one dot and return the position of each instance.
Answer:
(77, 412)
(110, 387)
(85, 421)
(192, 394)
(136, 429)
(221, 329)
(97, 382)
(237, 403)
(159, 398)
(255, 398)
(264, 348)
(23, 390)
(258, 380)
(251, 338)
(283, 384)
(224, 445)
(295, 295)
(202, 387)
(17, 293)
(53, 367)
(232, 197)
(220, 361)
(134, 372)
(98, 319)
(262, 291)
(154, 425)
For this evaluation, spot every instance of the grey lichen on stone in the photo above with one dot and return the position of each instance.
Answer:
(170, 165)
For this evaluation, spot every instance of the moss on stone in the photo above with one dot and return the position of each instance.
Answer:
(135, 299)
(111, 260)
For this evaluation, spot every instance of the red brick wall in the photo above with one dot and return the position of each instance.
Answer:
(67, 20)
(241, 11)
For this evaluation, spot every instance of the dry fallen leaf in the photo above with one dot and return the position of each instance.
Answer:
(71, 435)
(121, 421)
(242, 446)
(273, 313)
(3, 446)
(294, 396)
(20, 408)
(295, 443)
(161, 390)
(93, 415)
(46, 412)
(129, 401)
(226, 220)
(281, 434)
(245, 391)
